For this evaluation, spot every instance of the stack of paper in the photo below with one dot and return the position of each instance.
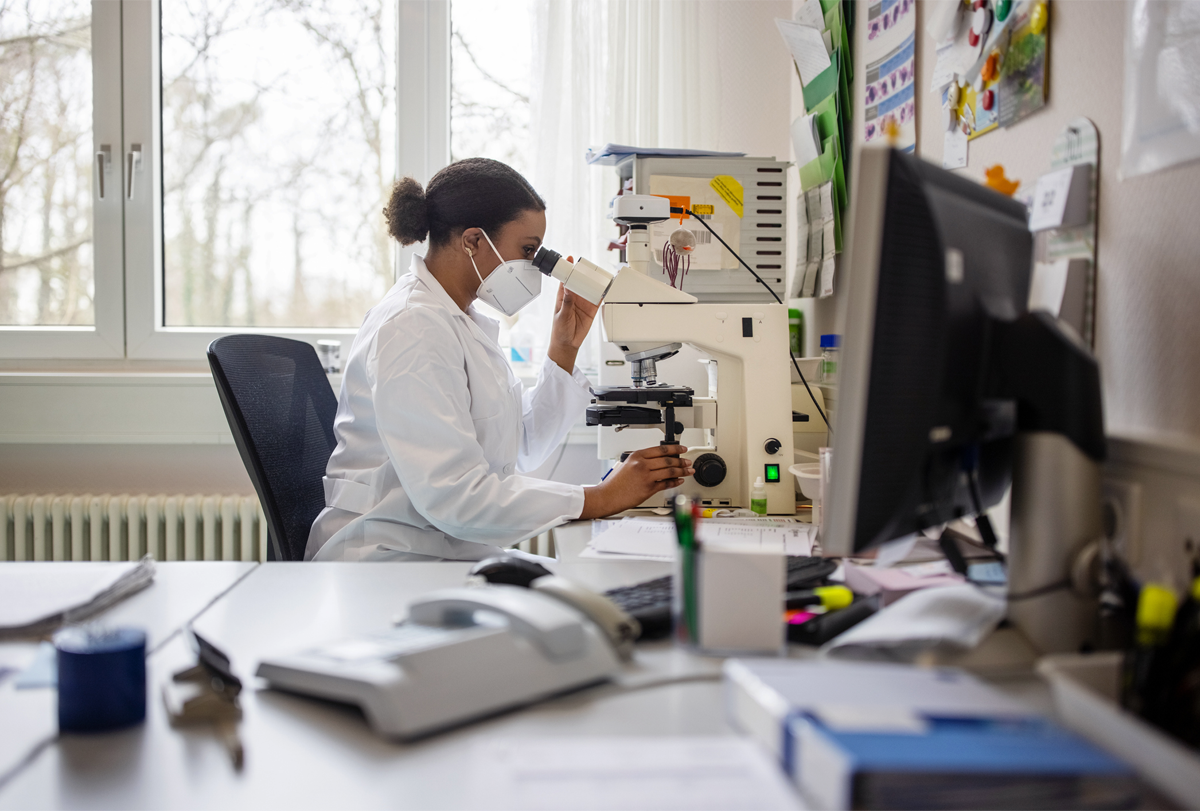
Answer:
(654, 538)
(34, 601)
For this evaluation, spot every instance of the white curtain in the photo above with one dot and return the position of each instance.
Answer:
(640, 72)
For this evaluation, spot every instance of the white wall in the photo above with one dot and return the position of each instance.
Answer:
(1148, 333)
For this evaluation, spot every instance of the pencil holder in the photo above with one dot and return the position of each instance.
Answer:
(728, 600)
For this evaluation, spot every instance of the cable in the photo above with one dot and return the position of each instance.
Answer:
(774, 295)
(631, 686)
(691, 213)
(982, 522)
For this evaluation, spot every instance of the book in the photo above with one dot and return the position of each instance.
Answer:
(877, 735)
(957, 763)
(762, 695)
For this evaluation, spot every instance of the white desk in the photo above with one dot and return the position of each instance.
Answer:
(179, 593)
(302, 753)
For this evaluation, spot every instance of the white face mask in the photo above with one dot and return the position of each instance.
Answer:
(512, 285)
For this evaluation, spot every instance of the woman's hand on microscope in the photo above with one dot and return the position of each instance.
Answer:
(641, 475)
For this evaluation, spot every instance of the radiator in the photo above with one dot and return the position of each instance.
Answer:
(125, 527)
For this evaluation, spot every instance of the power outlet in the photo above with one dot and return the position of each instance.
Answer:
(1187, 529)
(1123, 518)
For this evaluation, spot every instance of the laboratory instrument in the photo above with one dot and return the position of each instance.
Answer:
(462, 653)
(951, 388)
(746, 418)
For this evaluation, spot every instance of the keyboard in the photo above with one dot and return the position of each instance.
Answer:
(649, 602)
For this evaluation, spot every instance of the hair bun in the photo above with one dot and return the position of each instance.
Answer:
(406, 213)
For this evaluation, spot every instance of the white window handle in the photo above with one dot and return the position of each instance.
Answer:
(103, 165)
(135, 164)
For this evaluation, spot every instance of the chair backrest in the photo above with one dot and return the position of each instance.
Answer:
(280, 408)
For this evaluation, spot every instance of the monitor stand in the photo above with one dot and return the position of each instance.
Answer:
(1056, 517)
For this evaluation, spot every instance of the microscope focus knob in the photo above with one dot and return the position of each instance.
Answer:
(709, 470)
(772, 446)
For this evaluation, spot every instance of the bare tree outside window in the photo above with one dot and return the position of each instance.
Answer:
(46, 276)
(278, 141)
(490, 53)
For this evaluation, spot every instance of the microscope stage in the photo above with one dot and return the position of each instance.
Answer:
(678, 396)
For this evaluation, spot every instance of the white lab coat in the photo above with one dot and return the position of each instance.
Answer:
(431, 428)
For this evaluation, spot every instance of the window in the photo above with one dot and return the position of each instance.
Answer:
(60, 251)
(490, 114)
(278, 154)
(245, 152)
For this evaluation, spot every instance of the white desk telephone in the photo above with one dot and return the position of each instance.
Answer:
(466, 652)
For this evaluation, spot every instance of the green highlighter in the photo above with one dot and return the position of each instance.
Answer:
(685, 531)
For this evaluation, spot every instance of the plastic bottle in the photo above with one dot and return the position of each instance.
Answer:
(758, 497)
(796, 332)
(830, 351)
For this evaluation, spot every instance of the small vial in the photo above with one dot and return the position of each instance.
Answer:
(758, 497)
(830, 353)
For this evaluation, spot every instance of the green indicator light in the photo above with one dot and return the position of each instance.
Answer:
(772, 473)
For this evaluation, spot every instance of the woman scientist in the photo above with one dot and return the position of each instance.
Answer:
(432, 425)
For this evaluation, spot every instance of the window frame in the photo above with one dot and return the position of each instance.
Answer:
(129, 300)
(105, 339)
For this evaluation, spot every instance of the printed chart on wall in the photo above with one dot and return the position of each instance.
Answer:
(890, 52)
(718, 200)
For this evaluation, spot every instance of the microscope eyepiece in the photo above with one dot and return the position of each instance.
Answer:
(545, 260)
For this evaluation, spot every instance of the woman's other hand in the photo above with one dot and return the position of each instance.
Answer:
(641, 475)
(573, 317)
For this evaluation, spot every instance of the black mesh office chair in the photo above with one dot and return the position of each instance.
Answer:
(280, 409)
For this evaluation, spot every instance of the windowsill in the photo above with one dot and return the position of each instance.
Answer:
(106, 407)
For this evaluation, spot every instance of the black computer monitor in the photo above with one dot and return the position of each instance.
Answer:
(942, 363)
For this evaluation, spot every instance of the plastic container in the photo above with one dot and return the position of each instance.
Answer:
(808, 479)
(1085, 689)
(796, 333)
(830, 355)
(758, 497)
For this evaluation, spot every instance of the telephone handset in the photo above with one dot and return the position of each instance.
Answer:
(621, 629)
(543, 620)
(462, 653)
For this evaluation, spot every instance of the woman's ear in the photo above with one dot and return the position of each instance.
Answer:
(471, 237)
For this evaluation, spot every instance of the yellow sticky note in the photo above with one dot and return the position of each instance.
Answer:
(730, 191)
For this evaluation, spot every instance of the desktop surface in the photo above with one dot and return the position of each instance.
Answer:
(305, 753)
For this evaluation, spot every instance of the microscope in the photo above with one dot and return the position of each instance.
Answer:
(746, 414)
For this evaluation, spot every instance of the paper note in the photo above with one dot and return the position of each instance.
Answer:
(1050, 199)
(828, 267)
(944, 68)
(1048, 285)
(954, 149)
(827, 202)
(811, 14)
(629, 773)
(807, 49)
(805, 139)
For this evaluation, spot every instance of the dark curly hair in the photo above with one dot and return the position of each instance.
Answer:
(471, 193)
